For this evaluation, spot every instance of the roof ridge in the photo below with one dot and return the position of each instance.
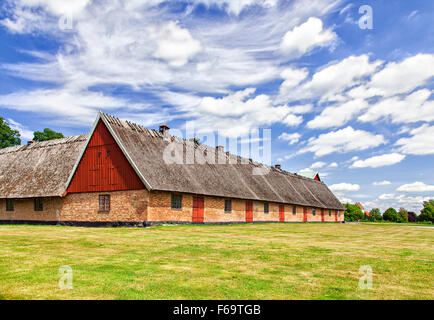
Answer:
(45, 144)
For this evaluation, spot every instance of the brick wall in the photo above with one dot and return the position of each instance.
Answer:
(24, 209)
(125, 206)
(140, 205)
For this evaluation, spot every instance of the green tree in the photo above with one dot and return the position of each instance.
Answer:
(427, 213)
(403, 214)
(376, 214)
(391, 215)
(353, 212)
(47, 134)
(8, 137)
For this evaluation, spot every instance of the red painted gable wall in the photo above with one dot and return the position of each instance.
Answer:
(317, 178)
(103, 166)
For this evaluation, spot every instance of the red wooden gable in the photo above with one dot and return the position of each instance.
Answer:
(317, 177)
(103, 166)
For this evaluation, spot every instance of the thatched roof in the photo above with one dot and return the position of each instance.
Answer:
(235, 178)
(40, 169)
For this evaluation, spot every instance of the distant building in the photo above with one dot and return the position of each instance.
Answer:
(363, 209)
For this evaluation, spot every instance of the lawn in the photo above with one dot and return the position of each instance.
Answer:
(260, 261)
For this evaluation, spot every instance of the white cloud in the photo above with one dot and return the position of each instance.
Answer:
(416, 71)
(330, 81)
(336, 116)
(379, 161)
(175, 44)
(412, 108)
(381, 183)
(235, 114)
(386, 196)
(342, 141)
(292, 138)
(305, 37)
(318, 165)
(333, 165)
(342, 187)
(23, 130)
(421, 142)
(292, 77)
(416, 187)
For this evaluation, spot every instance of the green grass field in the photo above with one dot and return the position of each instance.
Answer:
(260, 261)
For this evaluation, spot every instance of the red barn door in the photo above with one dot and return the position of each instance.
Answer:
(198, 209)
(304, 214)
(322, 215)
(281, 213)
(336, 215)
(249, 211)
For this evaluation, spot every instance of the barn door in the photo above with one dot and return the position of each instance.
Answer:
(336, 215)
(249, 211)
(197, 209)
(322, 215)
(281, 213)
(304, 214)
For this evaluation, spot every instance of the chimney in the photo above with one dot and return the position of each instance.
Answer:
(277, 166)
(164, 129)
(220, 148)
(30, 142)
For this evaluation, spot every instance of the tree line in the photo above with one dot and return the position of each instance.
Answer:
(354, 213)
(10, 137)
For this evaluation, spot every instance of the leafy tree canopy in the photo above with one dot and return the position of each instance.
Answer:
(427, 213)
(376, 214)
(47, 134)
(403, 214)
(353, 212)
(8, 137)
(391, 215)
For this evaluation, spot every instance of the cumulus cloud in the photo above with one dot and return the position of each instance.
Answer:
(292, 138)
(420, 142)
(305, 37)
(342, 141)
(333, 165)
(412, 108)
(416, 187)
(175, 44)
(318, 165)
(416, 71)
(336, 116)
(379, 161)
(342, 187)
(381, 183)
(331, 81)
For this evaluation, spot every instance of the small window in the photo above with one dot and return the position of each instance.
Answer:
(9, 205)
(330, 213)
(38, 204)
(104, 203)
(294, 210)
(313, 211)
(176, 201)
(266, 208)
(339, 213)
(228, 205)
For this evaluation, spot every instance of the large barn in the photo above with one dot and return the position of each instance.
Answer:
(117, 175)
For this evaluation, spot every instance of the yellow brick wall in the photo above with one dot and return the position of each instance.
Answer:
(125, 206)
(24, 209)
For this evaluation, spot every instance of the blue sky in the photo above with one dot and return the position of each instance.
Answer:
(355, 104)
